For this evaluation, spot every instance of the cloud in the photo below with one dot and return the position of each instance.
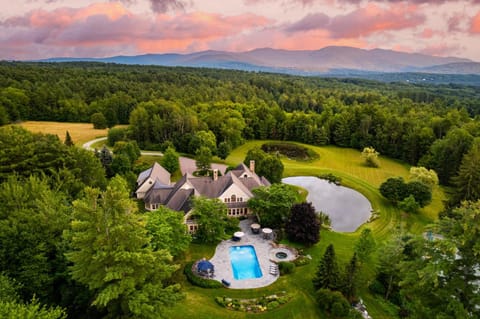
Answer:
(475, 24)
(109, 29)
(362, 22)
(161, 6)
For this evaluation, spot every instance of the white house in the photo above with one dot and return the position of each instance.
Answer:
(234, 189)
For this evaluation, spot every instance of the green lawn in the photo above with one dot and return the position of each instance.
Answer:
(347, 164)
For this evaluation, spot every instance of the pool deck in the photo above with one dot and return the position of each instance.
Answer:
(223, 268)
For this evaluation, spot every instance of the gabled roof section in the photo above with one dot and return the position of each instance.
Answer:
(157, 173)
(206, 186)
(180, 200)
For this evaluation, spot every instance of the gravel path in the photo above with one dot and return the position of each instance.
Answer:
(187, 165)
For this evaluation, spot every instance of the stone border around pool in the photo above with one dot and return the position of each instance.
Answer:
(263, 248)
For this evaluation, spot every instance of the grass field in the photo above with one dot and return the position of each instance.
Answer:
(347, 164)
(80, 132)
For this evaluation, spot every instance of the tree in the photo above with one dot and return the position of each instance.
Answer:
(170, 160)
(167, 230)
(445, 285)
(350, 280)
(365, 245)
(269, 166)
(328, 274)
(99, 121)
(272, 204)
(12, 307)
(445, 155)
(212, 219)
(203, 159)
(112, 256)
(106, 158)
(68, 140)
(333, 302)
(303, 225)
(130, 149)
(116, 134)
(421, 192)
(394, 189)
(370, 155)
(467, 181)
(204, 139)
(423, 175)
(223, 150)
(32, 219)
(409, 204)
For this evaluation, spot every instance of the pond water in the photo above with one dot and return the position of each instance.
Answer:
(347, 208)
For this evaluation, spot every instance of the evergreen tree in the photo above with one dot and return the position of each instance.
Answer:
(112, 256)
(303, 225)
(350, 280)
(328, 274)
(467, 181)
(68, 139)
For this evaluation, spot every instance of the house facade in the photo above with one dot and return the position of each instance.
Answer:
(234, 189)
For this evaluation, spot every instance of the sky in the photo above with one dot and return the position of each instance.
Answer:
(36, 29)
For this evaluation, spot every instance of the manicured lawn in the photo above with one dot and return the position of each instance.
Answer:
(347, 164)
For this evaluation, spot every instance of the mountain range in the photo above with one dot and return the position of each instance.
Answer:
(329, 60)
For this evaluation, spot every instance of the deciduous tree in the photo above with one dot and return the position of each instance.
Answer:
(272, 204)
(168, 231)
(170, 160)
(303, 225)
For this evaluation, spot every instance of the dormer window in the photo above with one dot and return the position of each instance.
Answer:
(245, 176)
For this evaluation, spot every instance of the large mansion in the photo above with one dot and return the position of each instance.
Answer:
(234, 189)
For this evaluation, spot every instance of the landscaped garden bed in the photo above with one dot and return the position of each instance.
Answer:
(262, 304)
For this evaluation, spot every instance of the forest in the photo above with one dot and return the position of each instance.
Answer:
(44, 268)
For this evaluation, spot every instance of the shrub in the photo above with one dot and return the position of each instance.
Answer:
(302, 261)
(286, 267)
(370, 155)
(273, 304)
(199, 281)
(333, 302)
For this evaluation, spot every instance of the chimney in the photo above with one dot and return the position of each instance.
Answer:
(252, 166)
(215, 174)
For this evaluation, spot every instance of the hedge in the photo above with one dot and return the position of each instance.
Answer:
(199, 281)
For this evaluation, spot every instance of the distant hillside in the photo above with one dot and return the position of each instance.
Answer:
(328, 60)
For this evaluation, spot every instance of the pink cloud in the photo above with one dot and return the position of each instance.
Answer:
(363, 21)
(475, 24)
(109, 28)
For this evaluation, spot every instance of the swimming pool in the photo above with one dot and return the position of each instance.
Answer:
(244, 262)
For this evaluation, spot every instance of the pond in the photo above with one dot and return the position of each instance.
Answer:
(347, 208)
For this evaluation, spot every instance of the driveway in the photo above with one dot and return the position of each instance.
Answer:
(187, 165)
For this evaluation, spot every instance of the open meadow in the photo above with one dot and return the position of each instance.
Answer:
(80, 132)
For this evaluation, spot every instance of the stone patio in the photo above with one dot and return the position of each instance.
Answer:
(223, 268)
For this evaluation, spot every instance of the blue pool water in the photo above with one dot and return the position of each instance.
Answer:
(244, 262)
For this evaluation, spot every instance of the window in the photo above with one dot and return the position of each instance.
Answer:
(233, 198)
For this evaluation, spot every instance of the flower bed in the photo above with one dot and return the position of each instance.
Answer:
(261, 304)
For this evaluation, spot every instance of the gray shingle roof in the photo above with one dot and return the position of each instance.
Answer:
(177, 197)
